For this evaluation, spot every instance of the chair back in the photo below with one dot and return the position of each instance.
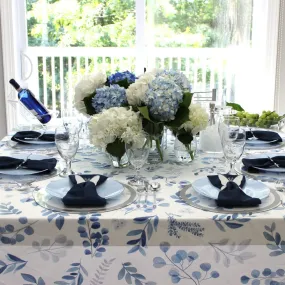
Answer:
(205, 96)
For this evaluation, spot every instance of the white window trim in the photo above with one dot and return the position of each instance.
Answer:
(279, 98)
(13, 41)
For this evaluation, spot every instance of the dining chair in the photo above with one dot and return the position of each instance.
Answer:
(205, 96)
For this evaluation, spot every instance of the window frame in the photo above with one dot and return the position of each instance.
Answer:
(270, 16)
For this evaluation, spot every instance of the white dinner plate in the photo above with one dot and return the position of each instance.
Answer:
(39, 142)
(23, 171)
(270, 154)
(259, 142)
(252, 188)
(109, 189)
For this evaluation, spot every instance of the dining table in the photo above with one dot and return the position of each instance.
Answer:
(157, 239)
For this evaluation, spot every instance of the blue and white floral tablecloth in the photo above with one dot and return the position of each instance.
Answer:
(172, 243)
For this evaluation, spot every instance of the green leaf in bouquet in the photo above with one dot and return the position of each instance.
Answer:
(152, 128)
(144, 111)
(187, 98)
(235, 106)
(124, 83)
(88, 104)
(181, 117)
(116, 148)
(185, 137)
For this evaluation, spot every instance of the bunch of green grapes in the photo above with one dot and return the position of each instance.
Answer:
(247, 119)
(265, 120)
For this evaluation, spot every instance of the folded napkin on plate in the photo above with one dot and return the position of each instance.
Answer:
(83, 192)
(266, 136)
(28, 135)
(251, 163)
(7, 162)
(231, 194)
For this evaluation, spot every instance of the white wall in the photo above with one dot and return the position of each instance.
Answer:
(3, 126)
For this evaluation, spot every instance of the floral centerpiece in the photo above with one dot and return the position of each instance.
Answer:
(163, 97)
(123, 106)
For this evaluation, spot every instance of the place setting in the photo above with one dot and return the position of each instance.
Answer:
(78, 193)
(234, 192)
(262, 139)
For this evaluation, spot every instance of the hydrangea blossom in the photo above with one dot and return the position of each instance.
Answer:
(136, 91)
(178, 77)
(116, 122)
(198, 119)
(108, 97)
(163, 98)
(87, 86)
(119, 76)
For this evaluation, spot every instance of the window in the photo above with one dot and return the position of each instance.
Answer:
(216, 43)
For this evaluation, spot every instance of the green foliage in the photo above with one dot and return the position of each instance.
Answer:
(187, 99)
(182, 114)
(152, 128)
(88, 104)
(235, 106)
(123, 83)
(144, 112)
(184, 137)
(117, 148)
(106, 23)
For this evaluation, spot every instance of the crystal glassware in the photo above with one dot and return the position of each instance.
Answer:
(227, 121)
(67, 142)
(137, 156)
(233, 143)
(71, 118)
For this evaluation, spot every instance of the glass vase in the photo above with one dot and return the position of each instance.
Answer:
(185, 153)
(156, 154)
(119, 162)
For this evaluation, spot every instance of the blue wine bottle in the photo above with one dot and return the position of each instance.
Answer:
(28, 99)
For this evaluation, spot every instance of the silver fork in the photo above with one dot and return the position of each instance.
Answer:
(22, 163)
(273, 161)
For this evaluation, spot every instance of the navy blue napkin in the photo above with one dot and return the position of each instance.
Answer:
(250, 164)
(83, 193)
(28, 135)
(48, 164)
(231, 194)
(266, 136)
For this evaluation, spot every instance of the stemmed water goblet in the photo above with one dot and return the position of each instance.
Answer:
(137, 155)
(71, 118)
(67, 142)
(233, 142)
(228, 121)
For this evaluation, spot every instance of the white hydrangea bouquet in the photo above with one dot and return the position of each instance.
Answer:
(115, 127)
(123, 107)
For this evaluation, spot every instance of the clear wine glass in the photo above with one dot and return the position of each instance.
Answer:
(137, 156)
(67, 142)
(71, 118)
(233, 142)
(228, 121)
